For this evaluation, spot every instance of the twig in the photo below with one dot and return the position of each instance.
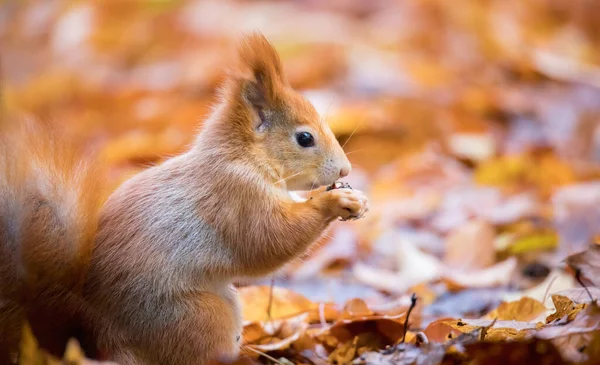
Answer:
(265, 355)
(322, 315)
(484, 330)
(270, 304)
(270, 298)
(578, 278)
(413, 303)
(548, 288)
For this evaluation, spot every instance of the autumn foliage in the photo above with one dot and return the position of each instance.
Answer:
(473, 127)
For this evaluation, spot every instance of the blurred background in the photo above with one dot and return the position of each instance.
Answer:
(473, 126)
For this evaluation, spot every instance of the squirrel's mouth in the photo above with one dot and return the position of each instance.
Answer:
(308, 183)
(323, 182)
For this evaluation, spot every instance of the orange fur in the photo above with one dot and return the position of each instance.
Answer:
(172, 239)
(49, 202)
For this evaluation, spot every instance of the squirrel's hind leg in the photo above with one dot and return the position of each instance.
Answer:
(207, 326)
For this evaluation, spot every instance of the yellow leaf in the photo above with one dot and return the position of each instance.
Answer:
(30, 353)
(534, 242)
(544, 171)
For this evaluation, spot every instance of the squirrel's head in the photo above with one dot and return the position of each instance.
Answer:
(283, 128)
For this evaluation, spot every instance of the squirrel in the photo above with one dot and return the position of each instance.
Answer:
(149, 272)
(49, 210)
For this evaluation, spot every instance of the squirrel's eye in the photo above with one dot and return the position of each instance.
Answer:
(305, 139)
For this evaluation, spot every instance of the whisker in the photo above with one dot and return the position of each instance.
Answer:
(354, 131)
(357, 165)
(289, 177)
(328, 236)
(313, 183)
(362, 149)
(324, 119)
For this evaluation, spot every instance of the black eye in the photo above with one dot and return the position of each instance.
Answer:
(305, 139)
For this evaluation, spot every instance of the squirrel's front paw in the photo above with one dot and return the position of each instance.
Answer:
(347, 203)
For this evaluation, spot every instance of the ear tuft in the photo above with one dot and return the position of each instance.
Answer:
(262, 68)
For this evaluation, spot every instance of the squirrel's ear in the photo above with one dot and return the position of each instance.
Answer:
(263, 78)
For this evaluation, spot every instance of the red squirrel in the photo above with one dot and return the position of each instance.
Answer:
(150, 272)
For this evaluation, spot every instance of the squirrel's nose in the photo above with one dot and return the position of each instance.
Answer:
(345, 171)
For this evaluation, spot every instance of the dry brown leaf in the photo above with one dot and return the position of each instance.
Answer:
(587, 320)
(565, 307)
(284, 303)
(284, 342)
(514, 352)
(496, 275)
(471, 246)
(587, 264)
(341, 247)
(274, 335)
(379, 331)
(525, 309)
(556, 280)
(415, 267)
(440, 331)
(580, 295)
(570, 302)
(325, 312)
(355, 308)
(499, 330)
(359, 323)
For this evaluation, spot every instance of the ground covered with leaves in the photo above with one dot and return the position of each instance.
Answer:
(473, 127)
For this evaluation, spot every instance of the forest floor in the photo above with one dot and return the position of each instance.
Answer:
(474, 129)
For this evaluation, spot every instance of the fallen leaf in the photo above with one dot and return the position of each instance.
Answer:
(576, 217)
(274, 335)
(476, 147)
(524, 309)
(565, 308)
(587, 264)
(580, 295)
(585, 321)
(467, 303)
(440, 331)
(541, 241)
(555, 281)
(415, 267)
(470, 246)
(515, 172)
(341, 247)
(358, 319)
(429, 354)
(496, 275)
(514, 352)
(499, 330)
(355, 308)
(284, 303)
(284, 342)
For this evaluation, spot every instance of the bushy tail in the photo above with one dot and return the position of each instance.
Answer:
(52, 197)
(49, 202)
